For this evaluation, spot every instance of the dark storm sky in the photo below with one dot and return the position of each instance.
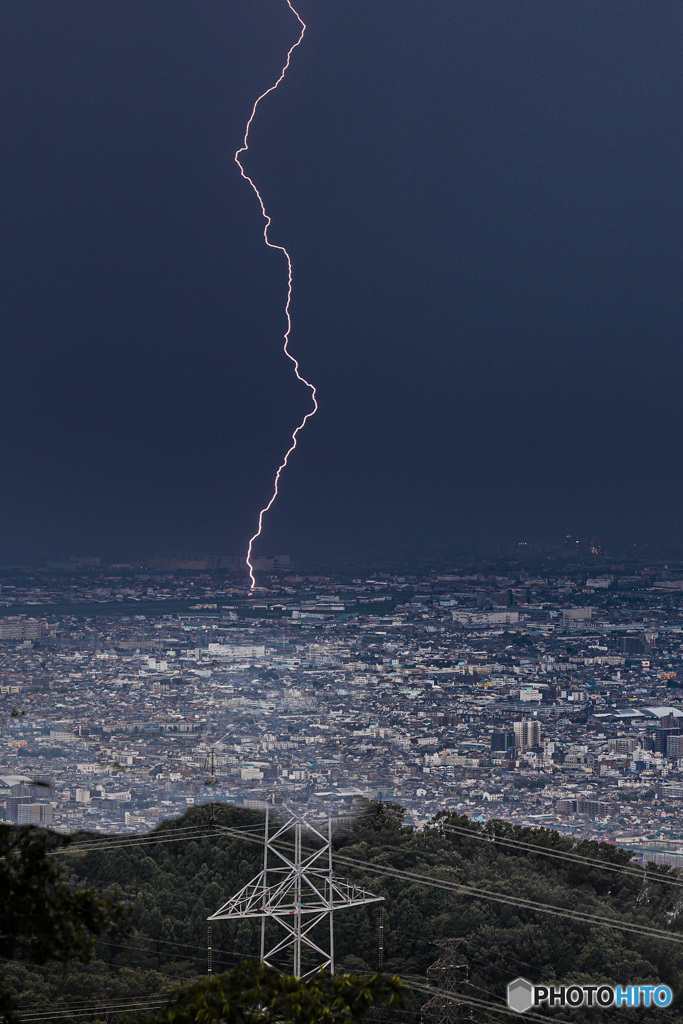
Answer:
(483, 203)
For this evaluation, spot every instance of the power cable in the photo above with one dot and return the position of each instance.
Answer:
(513, 901)
(481, 1004)
(131, 1005)
(566, 855)
(90, 1011)
(97, 842)
(151, 839)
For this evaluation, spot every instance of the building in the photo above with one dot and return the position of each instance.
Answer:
(577, 614)
(34, 814)
(622, 745)
(502, 741)
(20, 629)
(674, 745)
(661, 740)
(591, 808)
(527, 733)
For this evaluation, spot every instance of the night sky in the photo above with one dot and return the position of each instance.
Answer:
(483, 203)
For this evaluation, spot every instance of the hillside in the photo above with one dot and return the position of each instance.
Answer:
(178, 875)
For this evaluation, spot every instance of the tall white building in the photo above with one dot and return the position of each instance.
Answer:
(527, 733)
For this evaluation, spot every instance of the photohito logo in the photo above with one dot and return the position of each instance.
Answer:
(522, 995)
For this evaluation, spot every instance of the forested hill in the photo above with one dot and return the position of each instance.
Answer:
(175, 877)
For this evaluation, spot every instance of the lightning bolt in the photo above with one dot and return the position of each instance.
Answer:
(271, 245)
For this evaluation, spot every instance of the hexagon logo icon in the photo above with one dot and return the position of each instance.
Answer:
(520, 995)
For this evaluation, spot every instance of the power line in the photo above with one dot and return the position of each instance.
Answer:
(112, 841)
(471, 957)
(98, 1008)
(247, 834)
(481, 1004)
(131, 1005)
(567, 855)
(514, 901)
(196, 831)
(152, 839)
(166, 942)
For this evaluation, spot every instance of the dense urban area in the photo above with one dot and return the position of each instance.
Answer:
(543, 692)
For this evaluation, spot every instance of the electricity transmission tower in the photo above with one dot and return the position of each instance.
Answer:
(211, 780)
(448, 971)
(299, 892)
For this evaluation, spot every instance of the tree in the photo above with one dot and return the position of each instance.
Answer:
(43, 918)
(253, 993)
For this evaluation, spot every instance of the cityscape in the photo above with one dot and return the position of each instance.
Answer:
(392, 290)
(544, 693)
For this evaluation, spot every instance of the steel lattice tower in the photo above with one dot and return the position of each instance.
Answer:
(449, 971)
(298, 892)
